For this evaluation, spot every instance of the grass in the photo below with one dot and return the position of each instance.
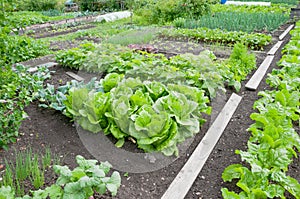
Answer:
(234, 21)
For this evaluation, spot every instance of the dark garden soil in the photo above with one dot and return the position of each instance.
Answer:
(46, 127)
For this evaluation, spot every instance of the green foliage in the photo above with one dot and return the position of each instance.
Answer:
(238, 21)
(81, 183)
(49, 97)
(252, 40)
(102, 31)
(17, 89)
(26, 18)
(14, 49)
(242, 61)
(287, 77)
(274, 141)
(37, 5)
(75, 57)
(101, 5)
(158, 117)
(187, 69)
(167, 11)
(200, 71)
(238, 66)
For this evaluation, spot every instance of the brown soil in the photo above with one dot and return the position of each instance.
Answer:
(46, 127)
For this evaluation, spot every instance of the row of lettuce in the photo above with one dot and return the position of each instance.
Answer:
(274, 141)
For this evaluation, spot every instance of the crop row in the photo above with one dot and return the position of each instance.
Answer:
(274, 141)
(254, 40)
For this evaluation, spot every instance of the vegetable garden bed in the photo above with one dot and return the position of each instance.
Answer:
(48, 127)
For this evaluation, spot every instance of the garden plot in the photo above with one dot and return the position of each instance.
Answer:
(49, 127)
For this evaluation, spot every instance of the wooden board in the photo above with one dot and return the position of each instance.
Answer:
(275, 48)
(74, 76)
(255, 80)
(282, 36)
(187, 175)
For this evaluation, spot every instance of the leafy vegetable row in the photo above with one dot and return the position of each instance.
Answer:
(254, 40)
(274, 141)
(200, 70)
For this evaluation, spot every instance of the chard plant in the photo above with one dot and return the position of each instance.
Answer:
(274, 142)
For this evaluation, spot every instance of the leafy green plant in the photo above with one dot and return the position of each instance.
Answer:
(126, 111)
(75, 57)
(14, 49)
